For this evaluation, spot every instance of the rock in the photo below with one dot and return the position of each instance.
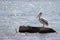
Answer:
(31, 29)
(46, 30)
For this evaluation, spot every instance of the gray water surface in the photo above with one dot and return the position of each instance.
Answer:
(20, 12)
(30, 36)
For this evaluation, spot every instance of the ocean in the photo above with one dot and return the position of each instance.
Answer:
(14, 13)
(30, 36)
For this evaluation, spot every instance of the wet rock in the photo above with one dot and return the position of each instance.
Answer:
(32, 29)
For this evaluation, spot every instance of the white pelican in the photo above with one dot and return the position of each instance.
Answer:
(43, 21)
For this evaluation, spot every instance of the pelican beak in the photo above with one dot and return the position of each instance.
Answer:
(37, 16)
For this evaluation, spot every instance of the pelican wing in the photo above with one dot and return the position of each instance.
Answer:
(43, 21)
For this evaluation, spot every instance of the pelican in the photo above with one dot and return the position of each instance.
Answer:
(43, 21)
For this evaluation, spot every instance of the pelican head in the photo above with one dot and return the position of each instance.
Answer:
(40, 14)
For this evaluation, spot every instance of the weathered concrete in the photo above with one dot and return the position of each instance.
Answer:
(32, 29)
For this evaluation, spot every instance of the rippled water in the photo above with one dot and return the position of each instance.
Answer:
(29, 36)
(16, 13)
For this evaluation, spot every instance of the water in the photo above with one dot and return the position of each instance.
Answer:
(14, 13)
(29, 36)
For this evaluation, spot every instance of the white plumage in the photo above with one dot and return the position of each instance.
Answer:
(43, 21)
